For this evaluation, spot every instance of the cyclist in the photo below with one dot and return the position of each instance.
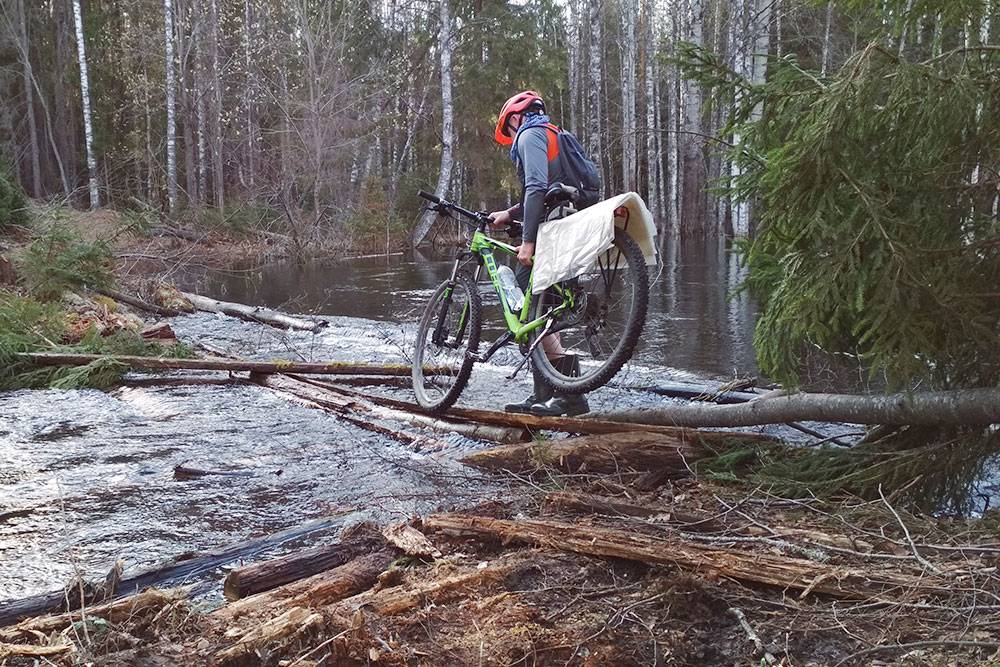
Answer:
(522, 126)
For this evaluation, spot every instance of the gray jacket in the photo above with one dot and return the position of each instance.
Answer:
(536, 173)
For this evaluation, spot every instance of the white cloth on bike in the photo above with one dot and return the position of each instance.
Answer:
(570, 246)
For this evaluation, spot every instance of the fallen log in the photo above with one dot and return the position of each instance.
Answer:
(272, 634)
(564, 424)
(231, 365)
(254, 313)
(355, 401)
(315, 591)
(136, 302)
(585, 502)
(32, 651)
(113, 612)
(179, 569)
(185, 472)
(265, 575)
(959, 407)
(611, 453)
(751, 567)
(346, 409)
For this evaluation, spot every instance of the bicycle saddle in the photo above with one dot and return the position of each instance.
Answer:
(559, 193)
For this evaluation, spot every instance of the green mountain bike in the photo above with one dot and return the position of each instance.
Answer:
(598, 316)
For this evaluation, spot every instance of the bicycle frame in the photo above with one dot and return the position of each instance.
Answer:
(482, 248)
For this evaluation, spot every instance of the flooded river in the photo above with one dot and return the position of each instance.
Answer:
(86, 477)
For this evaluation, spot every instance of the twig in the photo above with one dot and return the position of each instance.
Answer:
(923, 644)
(753, 636)
(906, 531)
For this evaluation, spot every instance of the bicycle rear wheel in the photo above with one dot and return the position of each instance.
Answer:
(449, 330)
(604, 327)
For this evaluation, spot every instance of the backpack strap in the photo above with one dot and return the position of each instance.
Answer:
(552, 149)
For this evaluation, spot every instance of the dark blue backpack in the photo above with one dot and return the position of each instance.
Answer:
(575, 165)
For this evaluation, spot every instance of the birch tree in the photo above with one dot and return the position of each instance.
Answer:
(446, 46)
(627, 45)
(595, 112)
(694, 167)
(88, 125)
(171, 93)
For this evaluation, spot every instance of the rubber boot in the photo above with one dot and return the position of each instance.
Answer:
(541, 393)
(562, 404)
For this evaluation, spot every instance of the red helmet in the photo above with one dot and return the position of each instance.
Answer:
(517, 104)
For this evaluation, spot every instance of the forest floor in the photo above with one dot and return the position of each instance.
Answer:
(584, 569)
(575, 563)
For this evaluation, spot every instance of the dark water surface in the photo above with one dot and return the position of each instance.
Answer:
(693, 325)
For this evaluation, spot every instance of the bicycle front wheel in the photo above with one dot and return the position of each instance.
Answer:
(603, 327)
(448, 332)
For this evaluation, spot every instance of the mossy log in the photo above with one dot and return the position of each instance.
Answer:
(609, 453)
(959, 407)
(254, 313)
(854, 582)
(136, 302)
(231, 365)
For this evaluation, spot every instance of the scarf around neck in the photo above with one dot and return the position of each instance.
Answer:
(533, 120)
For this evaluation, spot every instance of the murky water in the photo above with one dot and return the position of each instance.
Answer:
(692, 325)
(87, 477)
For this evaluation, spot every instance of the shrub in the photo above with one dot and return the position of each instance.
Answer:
(12, 204)
(58, 260)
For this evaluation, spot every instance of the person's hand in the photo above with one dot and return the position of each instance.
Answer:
(525, 252)
(500, 218)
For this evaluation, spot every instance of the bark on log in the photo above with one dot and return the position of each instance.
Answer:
(318, 590)
(136, 302)
(594, 454)
(32, 651)
(114, 612)
(179, 569)
(563, 424)
(185, 472)
(346, 409)
(300, 620)
(265, 575)
(356, 401)
(585, 502)
(752, 567)
(254, 313)
(959, 407)
(164, 363)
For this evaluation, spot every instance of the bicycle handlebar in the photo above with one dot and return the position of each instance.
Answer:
(429, 197)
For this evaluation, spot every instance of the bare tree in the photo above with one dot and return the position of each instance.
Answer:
(171, 92)
(88, 126)
(446, 45)
(29, 100)
(627, 45)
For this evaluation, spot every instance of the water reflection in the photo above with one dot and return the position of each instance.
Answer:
(693, 324)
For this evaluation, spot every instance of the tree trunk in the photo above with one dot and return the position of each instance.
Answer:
(230, 365)
(612, 453)
(446, 44)
(959, 407)
(171, 92)
(827, 25)
(88, 127)
(265, 575)
(29, 101)
(693, 156)
(218, 175)
(253, 313)
(652, 124)
(595, 115)
(752, 567)
(627, 44)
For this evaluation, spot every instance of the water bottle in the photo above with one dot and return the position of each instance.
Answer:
(513, 293)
